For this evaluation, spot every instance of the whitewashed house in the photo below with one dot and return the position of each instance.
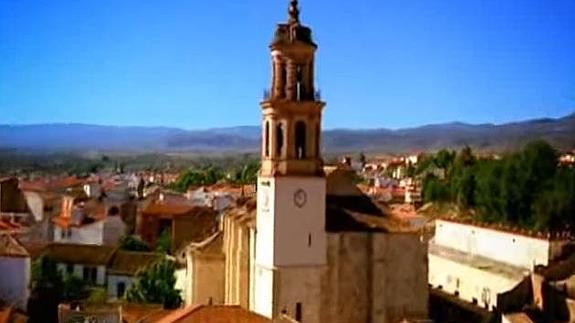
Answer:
(103, 266)
(477, 263)
(14, 272)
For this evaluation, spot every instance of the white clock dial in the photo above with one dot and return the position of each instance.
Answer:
(300, 198)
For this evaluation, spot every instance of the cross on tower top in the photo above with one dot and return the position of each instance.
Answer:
(293, 12)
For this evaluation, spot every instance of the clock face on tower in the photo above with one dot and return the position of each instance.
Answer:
(300, 198)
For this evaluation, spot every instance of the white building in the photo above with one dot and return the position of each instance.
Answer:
(14, 272)
(102, 266)
(107, 231)
(478, 263)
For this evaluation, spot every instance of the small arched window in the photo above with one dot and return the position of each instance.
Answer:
(300, 140)
(267, 139)
(279, 139)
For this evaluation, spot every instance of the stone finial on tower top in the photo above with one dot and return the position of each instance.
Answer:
(293, 12)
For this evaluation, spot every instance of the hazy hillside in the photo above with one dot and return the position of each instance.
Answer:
(78, 137)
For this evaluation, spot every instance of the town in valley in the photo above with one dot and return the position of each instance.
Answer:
(299, 224)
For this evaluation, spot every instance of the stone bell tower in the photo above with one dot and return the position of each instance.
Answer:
(290, 253)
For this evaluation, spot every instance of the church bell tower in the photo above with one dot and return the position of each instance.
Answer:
(290, 253)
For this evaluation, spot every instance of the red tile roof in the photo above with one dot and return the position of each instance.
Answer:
(163, 208)
(213, 314)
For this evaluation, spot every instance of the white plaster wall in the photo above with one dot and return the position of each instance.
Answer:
(264, 291)
(181, 281)
(88, 234)
(284, 229)
(473, 282)
(114, 229)
(190, 280)
(35, 204)
(518, 250)
(112, 284)
(265, 222)
(14, 280)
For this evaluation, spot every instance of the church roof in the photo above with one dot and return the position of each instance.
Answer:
(358, 213)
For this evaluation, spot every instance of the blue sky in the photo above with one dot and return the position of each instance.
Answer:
(200, 64)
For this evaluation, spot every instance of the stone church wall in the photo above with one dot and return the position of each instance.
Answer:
(375, 277)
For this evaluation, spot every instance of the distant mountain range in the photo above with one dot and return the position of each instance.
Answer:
(488, 137)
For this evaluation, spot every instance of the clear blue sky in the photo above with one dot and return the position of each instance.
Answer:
(200, 64)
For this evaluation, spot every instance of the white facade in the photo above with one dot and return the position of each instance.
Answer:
(291, 234)
(507, 247)
(14, 280)
(479, 263)
(115, 283)
(103, 232)
(290, 255)
(84, 271)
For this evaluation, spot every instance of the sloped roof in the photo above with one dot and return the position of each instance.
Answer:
(10, 247)
(213, 245)
(128, 263)
(79, 253)
(214, 314)
(167, 209)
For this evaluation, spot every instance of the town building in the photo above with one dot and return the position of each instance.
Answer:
(88, 221)
(176, 217)
(102, 266)
(481, 264)
(14, 272)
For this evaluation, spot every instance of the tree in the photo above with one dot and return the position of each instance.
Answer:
(434, 189)
(247, 175)
(164, 243)
(132, 243)
(361, 159)
(155, 284)
(98, 296)
(74, 289)
(47, 287)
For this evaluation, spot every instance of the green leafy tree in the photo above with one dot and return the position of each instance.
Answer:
(98, 296)
(155, 284)
(247, 175)
(164, 243)
(74, 289)
(435, 190)
(133, 243)
(47, 286)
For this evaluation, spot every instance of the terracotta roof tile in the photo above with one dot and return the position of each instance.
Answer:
(78, 253)
(129, 262)
(214, 314)
(10, 247)
(163, 209)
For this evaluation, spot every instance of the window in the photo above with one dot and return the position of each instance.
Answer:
(94, 275)
(279, 139)
(120, 289)
(298, 312)
(309, 240)
(90, 274)
(300, 140)
(266, 139)
(69, 269)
